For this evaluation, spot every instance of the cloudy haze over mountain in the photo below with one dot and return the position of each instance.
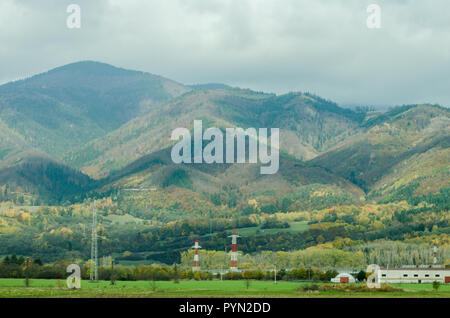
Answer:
(319, 46)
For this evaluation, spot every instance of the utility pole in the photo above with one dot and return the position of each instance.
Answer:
(94, 247)
(27, 271)
(113, 275)
(275, 275)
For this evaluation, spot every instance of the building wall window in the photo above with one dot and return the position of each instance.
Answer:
(405, 275)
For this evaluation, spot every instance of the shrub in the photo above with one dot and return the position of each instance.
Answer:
(309, 287)
(436, 285)
(357, 288)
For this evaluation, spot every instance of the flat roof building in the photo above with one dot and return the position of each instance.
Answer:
(414, 275)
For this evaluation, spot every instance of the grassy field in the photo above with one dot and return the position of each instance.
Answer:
(57, 288)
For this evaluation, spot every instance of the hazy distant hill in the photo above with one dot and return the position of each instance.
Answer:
(70, 105)
(209, 86)
(308, 126)
(397, 147)
(12, 145)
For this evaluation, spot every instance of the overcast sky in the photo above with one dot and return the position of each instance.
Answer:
(323, 47)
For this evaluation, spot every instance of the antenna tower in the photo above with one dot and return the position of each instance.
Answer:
(234, 253)
(196, 247)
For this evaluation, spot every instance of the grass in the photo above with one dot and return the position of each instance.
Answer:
(185, 288)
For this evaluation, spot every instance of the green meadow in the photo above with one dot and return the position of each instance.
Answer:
(57, 289)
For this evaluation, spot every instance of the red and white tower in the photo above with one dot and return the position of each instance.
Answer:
(234, 253)
(196, 247)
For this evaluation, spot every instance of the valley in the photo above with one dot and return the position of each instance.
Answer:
(90, 132)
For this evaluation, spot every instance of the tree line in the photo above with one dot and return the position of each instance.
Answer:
(19, 267)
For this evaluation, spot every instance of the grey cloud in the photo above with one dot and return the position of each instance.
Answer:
(319, 46)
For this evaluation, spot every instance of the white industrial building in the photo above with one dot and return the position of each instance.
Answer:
(414, 275)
